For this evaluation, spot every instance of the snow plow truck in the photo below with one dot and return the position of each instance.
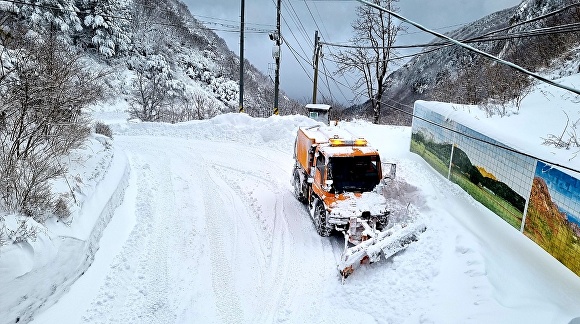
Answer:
(338, 176)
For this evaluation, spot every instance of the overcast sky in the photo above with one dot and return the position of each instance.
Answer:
(333, 18)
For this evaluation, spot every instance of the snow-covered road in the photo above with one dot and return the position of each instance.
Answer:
(203, 246)
(210, 233)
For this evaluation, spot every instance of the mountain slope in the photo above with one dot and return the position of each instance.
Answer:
(454, 74)
(164, 63)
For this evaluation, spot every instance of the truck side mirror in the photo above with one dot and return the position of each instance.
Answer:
(389, 170)
(328, 185)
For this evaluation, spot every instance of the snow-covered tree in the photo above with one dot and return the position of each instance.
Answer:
(153, 87)
(108, 23)
(48, 14)
(43, 91)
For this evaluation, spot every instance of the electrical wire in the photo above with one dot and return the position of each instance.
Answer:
(487, 36)
(322, 31)
(298, 23)
(296, 56)
(545, 31)
(233, 28)
(473, 49)
(233, 21)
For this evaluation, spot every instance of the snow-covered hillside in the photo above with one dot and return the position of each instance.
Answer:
(209, 231)
(454, 74)
(154, 54)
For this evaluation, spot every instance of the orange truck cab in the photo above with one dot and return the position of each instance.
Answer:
(336, 174)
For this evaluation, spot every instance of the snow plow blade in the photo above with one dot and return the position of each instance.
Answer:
(387, 243)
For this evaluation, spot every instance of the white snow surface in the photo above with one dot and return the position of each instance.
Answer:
(546, 111)
(353, 206)
(208, 231)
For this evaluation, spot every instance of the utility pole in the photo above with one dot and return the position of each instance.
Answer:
(242, 58)
(316, 55)
(276, 54)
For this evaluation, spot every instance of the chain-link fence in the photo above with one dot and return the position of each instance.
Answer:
(538, 199)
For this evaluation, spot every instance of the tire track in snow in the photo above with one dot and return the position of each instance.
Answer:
(241, 240)
(152, 274)
(271, 277)
(139, 286)
(227, 301)
(285, 230)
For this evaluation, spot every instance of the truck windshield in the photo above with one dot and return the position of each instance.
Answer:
(354, 174)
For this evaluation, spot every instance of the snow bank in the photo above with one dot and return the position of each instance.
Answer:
(546, 111)
(34, 274)
(238, 128)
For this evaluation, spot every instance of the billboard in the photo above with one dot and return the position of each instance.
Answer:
(541, 201)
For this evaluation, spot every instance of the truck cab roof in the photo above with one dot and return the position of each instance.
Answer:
(336, 141)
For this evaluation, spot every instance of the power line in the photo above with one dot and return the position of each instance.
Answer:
(322, 36)
(233, 28)
(234, 21)
(481, 140)
(326, 74)
(484, 37)
(298, 23)
(311, 15)
(473, 49)
(487, 36)
(320, 19)
(323, 63)
(296, 56)
(439, 28)
(559, 29)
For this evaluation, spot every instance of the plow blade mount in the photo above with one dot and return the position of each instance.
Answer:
(387, 242)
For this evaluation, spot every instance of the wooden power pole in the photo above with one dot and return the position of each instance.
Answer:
(242, 58)
(316, 55)
(276, 54)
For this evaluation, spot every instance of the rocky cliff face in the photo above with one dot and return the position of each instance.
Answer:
(550, 228)
(543, 213)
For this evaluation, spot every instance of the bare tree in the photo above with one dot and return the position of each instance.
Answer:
(43, 90)
(199, 106)
(375, 33)
(149, 97)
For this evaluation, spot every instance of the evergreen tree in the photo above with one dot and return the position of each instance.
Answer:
(108, 23)
(49, 14)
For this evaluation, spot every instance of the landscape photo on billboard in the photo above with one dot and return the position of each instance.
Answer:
(431, 141)
(435, 153)
(497, 178)
(553, 216)
(493, 174)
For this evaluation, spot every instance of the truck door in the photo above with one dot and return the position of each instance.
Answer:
(320, 173)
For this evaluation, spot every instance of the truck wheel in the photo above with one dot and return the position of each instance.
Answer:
(298, 192)
(320, 221)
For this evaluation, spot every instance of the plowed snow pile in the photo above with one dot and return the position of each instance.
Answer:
(209, 232)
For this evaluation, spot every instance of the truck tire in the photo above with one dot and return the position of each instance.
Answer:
(320, 221)
(297, 184)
